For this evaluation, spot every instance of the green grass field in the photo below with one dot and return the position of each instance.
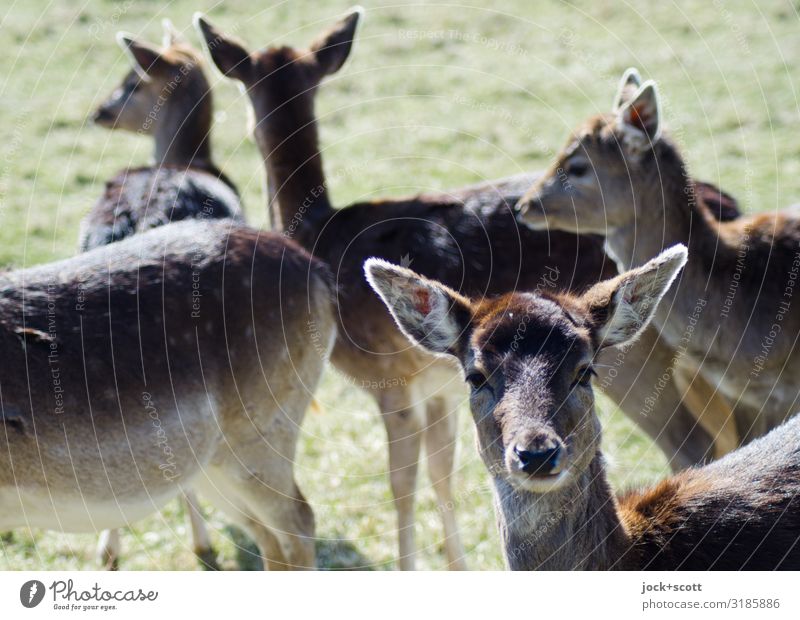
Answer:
(435, 95)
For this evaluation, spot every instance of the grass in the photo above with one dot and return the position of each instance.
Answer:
(435, 96)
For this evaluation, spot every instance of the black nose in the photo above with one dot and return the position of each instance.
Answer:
(102, 115)
(539, 461)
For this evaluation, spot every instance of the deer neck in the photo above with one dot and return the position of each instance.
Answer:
(667, 213)
(574, 528)
(183, 135)
(297, 191)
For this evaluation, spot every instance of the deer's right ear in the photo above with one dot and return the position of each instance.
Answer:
(145, 58)
(628, 85)
(621, 308)
(640, 118)
(332, 48)
(428, 313)
(228, 53)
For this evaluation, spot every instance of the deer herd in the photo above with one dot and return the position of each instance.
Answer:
(179, 350)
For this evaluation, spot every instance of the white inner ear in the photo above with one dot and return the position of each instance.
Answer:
(421, 309)
(442, 331)
(626, 322)
(636, 300)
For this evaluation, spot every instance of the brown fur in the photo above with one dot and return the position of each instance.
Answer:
(530, 391)
(175, 106)
(189, 329)
(649, 203)
(467, 238)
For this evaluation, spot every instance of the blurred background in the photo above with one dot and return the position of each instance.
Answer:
(434, 96)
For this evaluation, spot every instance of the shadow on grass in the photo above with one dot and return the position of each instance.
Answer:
(331, 554)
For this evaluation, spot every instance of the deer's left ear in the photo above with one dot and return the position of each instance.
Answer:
(228, 53)
(145, 58)
(621, 308)
(332, 48)
(428, 313)
(640, 118)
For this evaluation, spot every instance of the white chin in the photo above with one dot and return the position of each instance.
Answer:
(539, 485)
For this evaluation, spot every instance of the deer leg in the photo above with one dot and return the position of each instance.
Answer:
(287, 518)
(440, 446)
(201, 541)
(108, 549)
(216, 488)
(403, 420)
(709, 408)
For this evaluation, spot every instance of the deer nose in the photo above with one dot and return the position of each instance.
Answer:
(541, 462)
(102, 116)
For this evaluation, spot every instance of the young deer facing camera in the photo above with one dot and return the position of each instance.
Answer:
(176, 359)
(731, 312)
(528, 359)
(165, 95)
(467, 238)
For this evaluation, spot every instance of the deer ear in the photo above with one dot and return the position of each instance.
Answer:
(640, 118)
(172, 36)
(228, 53)
(622, 307)
(428, 313)
(628, 85)
(333, 47)
(146, 58)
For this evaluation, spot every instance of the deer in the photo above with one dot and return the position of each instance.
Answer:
(432, 230)
(626, 179)
(165, 95)
(180, 358)
(528, 358)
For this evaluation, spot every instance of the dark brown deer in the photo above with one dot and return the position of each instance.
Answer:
(528, 359)
(731, 312)
(467, 238)
(165, 95)
(180, 358)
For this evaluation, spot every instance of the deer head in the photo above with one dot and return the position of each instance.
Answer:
(165, 85)
(277, 75)
(594, 184)
(527, 358)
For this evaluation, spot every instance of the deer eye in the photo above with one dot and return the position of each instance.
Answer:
(577, 168)
(476, 380)
(583, 376)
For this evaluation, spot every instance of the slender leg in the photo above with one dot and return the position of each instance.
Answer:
(201, 541)
(440, 445)
(403, 420)
(708, 407)
(256, 488)
(108, 549)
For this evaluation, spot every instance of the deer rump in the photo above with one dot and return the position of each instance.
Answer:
(126, 365)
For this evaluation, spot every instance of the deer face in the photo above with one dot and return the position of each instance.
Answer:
(276, 77)
(592, 186)
(160, 80)
(528, 360)
(529, 365)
